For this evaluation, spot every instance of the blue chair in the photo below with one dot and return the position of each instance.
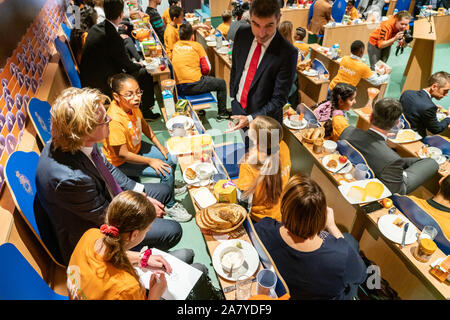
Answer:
(438, 142)
(345, 148)
(20, 172)
(66, 30)
(18, 279)
(338, 10)
(281, 288)
(421, 218)
(403, 5)
(68, 62)
(39, 112)
(230, 155)
(309, 114)
(197, 99)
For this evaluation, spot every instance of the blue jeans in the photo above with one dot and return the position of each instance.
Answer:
(138, 169)
(353, 243)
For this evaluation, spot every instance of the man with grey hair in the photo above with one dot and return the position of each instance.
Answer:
(420, 110)
(399, 175)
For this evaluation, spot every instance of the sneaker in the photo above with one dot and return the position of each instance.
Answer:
(223, 116)
(178, 213)
(179, 190)
(151, 116)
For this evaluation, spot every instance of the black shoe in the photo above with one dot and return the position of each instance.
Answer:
(151, 116)
(201, 113)
(223, 116)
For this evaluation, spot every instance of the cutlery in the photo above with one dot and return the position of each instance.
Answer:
(392, 210)
(231, 271)
(405, 229)
(343, 167)
(233, 287)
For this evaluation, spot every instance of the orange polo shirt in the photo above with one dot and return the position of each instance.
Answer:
(223, 28)
(166, 16)
(170, 38)
(302, 47)
(384, 32)
(186, 61)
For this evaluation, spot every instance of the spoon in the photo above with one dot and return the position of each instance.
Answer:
(231, 271)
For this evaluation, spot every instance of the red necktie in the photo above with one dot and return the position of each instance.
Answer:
(250, 75)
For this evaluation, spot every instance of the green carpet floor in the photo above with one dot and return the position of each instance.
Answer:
(192, 237)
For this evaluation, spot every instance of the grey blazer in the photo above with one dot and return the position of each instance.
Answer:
(387, 165)
(73, 194)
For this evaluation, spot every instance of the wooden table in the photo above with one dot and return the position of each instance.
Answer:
(409, 277)
(333, 68)
(345, 35)
(298, 17)
(211, 242)
(311, 90)
(222, 66)
(441, 26)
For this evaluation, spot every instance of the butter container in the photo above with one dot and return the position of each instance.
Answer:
(225, 191)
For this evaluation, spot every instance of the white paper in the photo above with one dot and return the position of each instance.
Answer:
(179, 283)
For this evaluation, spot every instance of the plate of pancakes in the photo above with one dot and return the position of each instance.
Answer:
(221, 217)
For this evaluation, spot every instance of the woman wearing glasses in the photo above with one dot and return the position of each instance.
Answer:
(124, 147)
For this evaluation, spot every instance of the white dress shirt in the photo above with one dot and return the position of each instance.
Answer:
(264, 47)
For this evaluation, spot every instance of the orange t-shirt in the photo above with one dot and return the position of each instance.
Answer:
(89, 277)
(384, 32)
(223, 28)
(248, 174)
(170, 38)
(166, 16)
(123, 129)
(302, 47)
(354, 14)
(351, 71)
(186, 57)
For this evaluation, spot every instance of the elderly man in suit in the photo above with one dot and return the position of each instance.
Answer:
(400, 175)
(75, 183)
(420, 110)
(104, 55)
(263, 67)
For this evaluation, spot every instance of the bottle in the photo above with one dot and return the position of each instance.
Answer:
(395, 11)
(422, 11)
(218, 40)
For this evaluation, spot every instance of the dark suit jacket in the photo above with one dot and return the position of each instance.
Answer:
(104, 55)
(387, 165)
(73, 194)
(420, 111)
(273, 79)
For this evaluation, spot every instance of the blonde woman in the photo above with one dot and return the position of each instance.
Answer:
(75, 183)
(286, 28)
(265, 169)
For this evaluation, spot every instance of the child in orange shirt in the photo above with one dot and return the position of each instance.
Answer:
(351, 10)
(266, 168)
(125, 149)
(299, 36)
(227, 17)
(101, 265)
(171, 34)
(166, 14)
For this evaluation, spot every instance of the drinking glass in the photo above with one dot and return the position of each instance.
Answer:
(428, 232)
(243, 287)
(266, 280)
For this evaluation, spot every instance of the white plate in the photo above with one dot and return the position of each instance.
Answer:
(211, 43)
(249, 267)
(310, 73)
(288, 124)
(223, 50)
(440, 160)
(416, 138)
(339, 164)
(195, 182)
(394, 233)
(188, 122)
(362, 183)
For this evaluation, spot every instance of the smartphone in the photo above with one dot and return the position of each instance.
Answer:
(371, 207)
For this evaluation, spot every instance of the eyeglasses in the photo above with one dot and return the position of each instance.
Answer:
(130, 96)
(107, 120)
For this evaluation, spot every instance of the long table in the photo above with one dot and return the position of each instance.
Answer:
(298, 17)
(409, 277)
(333, 68)
(346, 34)
(212, 240)
(441, 25)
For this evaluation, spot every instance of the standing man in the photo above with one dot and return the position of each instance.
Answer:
(155, 19)
(420, 110)
(263, 67)
(321, 16)
(104, 55)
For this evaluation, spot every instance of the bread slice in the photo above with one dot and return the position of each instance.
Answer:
(357, 193)
(374, 189)
(190, 173)
(214, 216)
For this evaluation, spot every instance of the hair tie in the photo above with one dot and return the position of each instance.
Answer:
(109, 230)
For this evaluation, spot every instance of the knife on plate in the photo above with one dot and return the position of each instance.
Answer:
(405, 229)
(233, 287)
(346, 165)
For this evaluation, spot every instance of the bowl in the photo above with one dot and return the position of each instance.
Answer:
(330, 146)
(231, 256)
(152, 66)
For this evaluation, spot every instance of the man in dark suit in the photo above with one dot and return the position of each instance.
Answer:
(263, 66)
(420, 110)
(75, 183)
(400, 175)
(104, 55)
